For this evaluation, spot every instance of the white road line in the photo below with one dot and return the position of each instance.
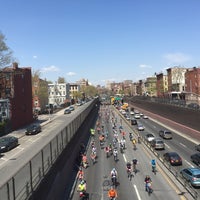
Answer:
(189, 163)
(182, 144)
(125, 158)
(137, 193)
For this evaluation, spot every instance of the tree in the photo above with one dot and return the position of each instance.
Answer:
(61, 80)
(5, 52)
(89, 91)
(40, 89)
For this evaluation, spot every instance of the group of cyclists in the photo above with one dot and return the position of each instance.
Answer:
(111, 149)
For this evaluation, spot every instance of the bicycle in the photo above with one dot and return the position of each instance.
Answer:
(154, 169)
(129, 174)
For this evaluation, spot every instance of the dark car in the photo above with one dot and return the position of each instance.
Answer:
(192, 175)
(133, 122)
(195, 158)
(67, 111)
(7, 143)
(197, 147)
(173, 158)
(33, 129)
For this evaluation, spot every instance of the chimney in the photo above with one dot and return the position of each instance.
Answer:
(15, 65)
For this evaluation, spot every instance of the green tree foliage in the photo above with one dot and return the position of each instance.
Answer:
(5, 53)
(89, 91)
(41, 88)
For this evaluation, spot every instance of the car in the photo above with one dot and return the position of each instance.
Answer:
(132, 113)
(33, 129)
(7, 143)
(71, 108)
(137, 116)
(140, 127)
(145, 117)
(133, 122)
(149, 137)
(195, 158)
(67, 111)
(173, 158)
(197, 147)
(165, 134)
(158, 144)
(192, 175)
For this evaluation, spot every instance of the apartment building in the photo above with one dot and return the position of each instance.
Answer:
(59, 93)
(16, 95)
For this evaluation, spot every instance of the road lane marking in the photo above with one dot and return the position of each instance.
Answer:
(182, 144)
(137, 193)
(189, 163)
(125, 158)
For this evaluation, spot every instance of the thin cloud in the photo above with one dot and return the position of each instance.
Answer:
(71, 74)
(177, 57)
(35, 57)
(144, 66)
(50, 69)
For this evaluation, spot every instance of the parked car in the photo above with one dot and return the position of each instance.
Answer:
(149, 137)
(158, 144)
(71, 108)
(67, 111)
(192, 175)
(197, 147)
(7, 143)
(33, 129)
(140, 127)
(195, 158)
(165, 134)
(173, 158)
(133, 122)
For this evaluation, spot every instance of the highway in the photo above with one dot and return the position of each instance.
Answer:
(165, 186)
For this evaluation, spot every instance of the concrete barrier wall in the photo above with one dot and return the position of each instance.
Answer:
(23, 184)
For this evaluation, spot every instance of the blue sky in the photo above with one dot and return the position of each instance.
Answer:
(102, 40)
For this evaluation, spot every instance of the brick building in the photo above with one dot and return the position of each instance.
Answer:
(16, 87)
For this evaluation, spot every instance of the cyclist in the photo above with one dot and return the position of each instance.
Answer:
(82, 189)
(80, 174)
(147, 180)
(113, 175)
(107, 151)
(84, 161)
(129, 169)
(112, 194)
(131, 136)
(134, 161)
(92, 132)
(153, 165)
(101, 139)
(115, 154)
(123, 134)
(134, 143)
(111, 148)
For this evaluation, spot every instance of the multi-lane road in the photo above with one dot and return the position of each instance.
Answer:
(165, 185)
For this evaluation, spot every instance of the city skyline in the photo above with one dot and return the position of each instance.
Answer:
(102, 40)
